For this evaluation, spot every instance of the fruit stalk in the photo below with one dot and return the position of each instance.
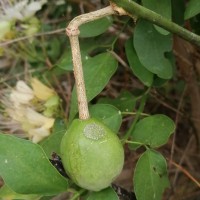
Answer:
(73, 32)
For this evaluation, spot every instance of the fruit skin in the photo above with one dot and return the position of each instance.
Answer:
(92, 154)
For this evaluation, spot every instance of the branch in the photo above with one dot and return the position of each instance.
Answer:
(73, 32)
(135, 10)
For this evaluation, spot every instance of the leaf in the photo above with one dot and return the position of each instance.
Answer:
(154, 130)
(192, 9)
(158, 82)
(150, 176)
(52, 143)
(95, 28)
(151, 47)
(97, 72)
(162, 7)
(86, 45)
(53, 48)
(7, 193)
(138, 69)
(106, 194)
(26, 169)
(125, 102)
(107, 114)
(178, 9)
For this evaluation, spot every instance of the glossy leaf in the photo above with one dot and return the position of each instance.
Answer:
(106, 194)
(162, 7)
(26, 169)
(150, 176)
(151, 47)
(192, 9)
(138, 69)
(107, 114)
(97, 72)
(125, 102)
(154, 130)
(95, 28)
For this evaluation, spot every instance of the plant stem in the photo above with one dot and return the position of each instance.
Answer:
(134, 10)
(73, 32)
(78, 194)
(139, 111)
(78, 74)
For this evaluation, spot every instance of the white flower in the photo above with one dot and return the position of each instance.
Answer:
(41, 125)
(21, 109)
(38, 134)
(38, 119)
(41, 91)
(22, 94)
(13, 10)
(32, 8)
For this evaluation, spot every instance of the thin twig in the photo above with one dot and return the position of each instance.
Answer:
(182, 159)
(119, 59)
(176, 122)
(185, 172)
(30, 36)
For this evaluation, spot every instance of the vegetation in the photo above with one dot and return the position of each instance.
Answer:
(124, 125)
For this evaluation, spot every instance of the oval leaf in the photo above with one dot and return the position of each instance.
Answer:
(95, 28)
(106, 194)
(26, 169)
(151, 47)
(86, 45)
(97, 72)
(150, 176)
(138, 69)
(125, 102)
(154, 130)
(162, 7)
(192, 9)
(107, 114)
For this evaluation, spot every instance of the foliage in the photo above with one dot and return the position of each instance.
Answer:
(25, 167)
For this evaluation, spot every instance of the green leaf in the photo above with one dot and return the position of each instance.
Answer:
(59, 126)
(106, 194)
(95, 28)
(178, 9)
(192, 9)
(26, 169)
(158, 82)
(53, 49)
(154, 130)
(138, 69)
(86, 45)
(162, 7)
(125, 102)
(52, 143)
(150, 176)
(151, 47)
(97, 72)
(107, 114)
(7, 193)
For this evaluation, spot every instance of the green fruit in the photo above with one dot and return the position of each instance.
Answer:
(92, 154)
